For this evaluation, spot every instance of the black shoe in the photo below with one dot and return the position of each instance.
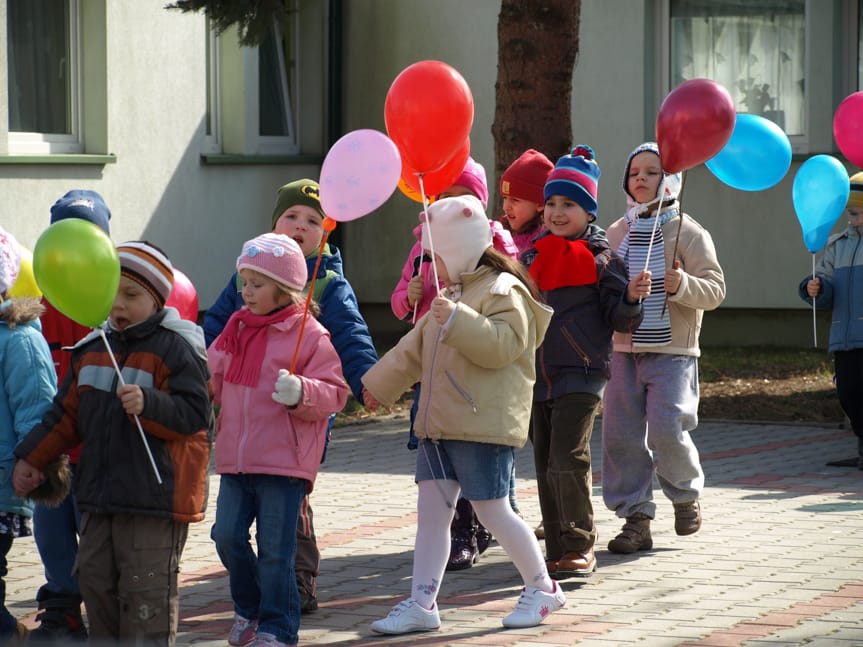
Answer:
(483, 539)
(308, 602)
(59, 627)
(463, 553)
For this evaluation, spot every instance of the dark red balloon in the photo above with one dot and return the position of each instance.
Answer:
(428, 113)
(183, 297)
(694, 123)
(848, 128)
(436, 181)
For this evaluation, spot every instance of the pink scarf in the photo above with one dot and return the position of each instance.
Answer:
(248, 344)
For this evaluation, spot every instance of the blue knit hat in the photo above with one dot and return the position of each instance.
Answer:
(576, 176)
(83, 204)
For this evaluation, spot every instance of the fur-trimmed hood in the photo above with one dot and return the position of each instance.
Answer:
(21, 311)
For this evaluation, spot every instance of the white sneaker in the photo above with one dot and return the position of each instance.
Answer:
(407, 616)
(243, 631)
(534, 606)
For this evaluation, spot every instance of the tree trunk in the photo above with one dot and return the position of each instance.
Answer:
(537, 49)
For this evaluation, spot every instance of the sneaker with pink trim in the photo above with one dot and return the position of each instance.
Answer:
(534, 606)
(243, 632)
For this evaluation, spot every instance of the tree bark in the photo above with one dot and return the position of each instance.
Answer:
(537, 50)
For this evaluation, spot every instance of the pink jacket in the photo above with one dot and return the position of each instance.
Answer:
(501, 239)
(257, 435)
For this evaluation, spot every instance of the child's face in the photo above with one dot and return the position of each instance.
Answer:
(855, 216)
(565, 217)
(133, 304)
(519, 213)
(645, 174)
(440, 266)
(261, 293)
(304, 225)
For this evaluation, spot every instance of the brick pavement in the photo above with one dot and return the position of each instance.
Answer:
(779, 559)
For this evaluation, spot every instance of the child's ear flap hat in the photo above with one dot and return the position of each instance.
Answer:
(460, 232)
(10, 260)
(855, 198)
(299, 192)
(276, 256)
(673, 181)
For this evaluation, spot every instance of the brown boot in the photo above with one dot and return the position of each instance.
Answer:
(687, 517)
(634, 536)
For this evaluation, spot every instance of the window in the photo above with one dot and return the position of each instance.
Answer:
(755, 48)
(42, 39)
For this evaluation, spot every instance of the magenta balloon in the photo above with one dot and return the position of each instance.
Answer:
(359, 173)
(694, 122)
(848, 128)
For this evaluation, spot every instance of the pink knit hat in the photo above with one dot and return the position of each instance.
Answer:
(276, 256)
(10, 260)
(473, 178)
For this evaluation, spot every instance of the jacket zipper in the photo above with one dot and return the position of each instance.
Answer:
(461, 391)
(577, 348)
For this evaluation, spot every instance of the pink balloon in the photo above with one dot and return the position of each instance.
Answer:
(694, 123)
(848, 128)
(359, 173)
(183, 297)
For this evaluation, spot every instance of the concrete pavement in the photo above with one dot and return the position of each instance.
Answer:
(778, 561)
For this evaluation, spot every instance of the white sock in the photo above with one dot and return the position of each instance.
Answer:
(435, 508)
(517, 539)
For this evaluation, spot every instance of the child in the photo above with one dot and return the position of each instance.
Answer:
(836, 286)
(133, 528)
(521, 186)
(26, 389)
(651, 402)
(55, 529)
(476, 343)
(587, 286)
(410, 300)
(298, 214)
(269, 444)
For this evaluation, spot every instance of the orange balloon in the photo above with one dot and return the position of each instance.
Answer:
(441, 179)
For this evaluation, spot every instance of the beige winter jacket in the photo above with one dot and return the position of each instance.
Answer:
(478, 371)
(702, 287)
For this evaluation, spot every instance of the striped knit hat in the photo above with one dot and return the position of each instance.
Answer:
(147, 265)
(576, 176)
(855, 198)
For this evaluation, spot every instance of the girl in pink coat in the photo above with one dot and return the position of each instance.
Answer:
(270, 436)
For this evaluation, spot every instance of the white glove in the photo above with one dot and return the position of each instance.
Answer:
(289, 389)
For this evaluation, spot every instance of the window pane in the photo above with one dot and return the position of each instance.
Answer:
(755, 48)
(39, 72)
(274, 84)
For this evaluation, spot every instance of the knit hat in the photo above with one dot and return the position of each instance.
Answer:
(304, 192)
(460, 232)
(149, 267)
(673, 181)
(473, 178)
(526, 176)
(83, 204)
(576, 176)
(855, 198)
(10, 260)
(277, 256)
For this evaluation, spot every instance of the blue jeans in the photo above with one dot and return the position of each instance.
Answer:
(412, 438)
(7, 620)
(56, 533)
(263, 586)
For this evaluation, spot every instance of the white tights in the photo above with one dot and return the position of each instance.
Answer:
(435, 509)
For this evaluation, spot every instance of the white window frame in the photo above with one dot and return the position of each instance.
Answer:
(818, 109)
(34, 143)
(268, 143)
(213, 139)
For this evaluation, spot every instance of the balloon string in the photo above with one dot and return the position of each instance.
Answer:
(137, 419)
(653, 231)
(814, 333)
(309, 300)
(677, 238)
(431, 240)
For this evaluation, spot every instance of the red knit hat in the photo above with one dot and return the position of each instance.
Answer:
(525, 178)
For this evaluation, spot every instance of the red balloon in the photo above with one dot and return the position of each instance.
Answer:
(436, 181)
(848, 128)
(428, 113)
(694, 123)
(183, 297)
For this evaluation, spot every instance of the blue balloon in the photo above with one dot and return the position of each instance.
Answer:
(756, 157)
(820, 194)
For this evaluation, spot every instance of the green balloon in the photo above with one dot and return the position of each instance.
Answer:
(78, 270)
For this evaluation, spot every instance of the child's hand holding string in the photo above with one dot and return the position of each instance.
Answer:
(639, 287)
(673, 278)
(415, 290)
(370, 402)
(289, 389)
(442, 308)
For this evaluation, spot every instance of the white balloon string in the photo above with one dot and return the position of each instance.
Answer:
(814, 334)
(653, 231)
(137, 420)
(429, 230)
